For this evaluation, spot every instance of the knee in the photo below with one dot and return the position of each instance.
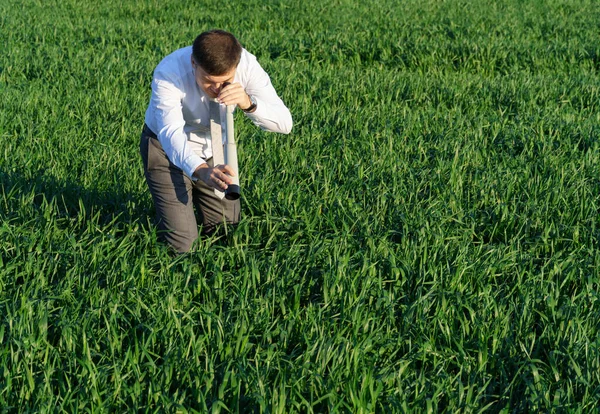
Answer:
(180, 241)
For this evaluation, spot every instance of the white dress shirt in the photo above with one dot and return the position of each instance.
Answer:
(179, 115)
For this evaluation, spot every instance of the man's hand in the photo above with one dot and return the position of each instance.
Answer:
(218, 177)
(234, 94)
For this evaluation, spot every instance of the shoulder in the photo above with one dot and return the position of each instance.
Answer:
(248, 69)
(175, 65)
(247, 60)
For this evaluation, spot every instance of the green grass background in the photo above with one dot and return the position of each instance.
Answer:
(426, 240)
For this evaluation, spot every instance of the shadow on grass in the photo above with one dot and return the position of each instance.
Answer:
(71, 199)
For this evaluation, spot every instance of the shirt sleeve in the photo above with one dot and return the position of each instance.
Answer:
(271, 113)
(166, 98)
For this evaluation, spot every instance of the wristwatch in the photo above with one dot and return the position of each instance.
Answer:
(252, 106)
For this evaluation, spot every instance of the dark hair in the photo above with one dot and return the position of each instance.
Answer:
(217, 52)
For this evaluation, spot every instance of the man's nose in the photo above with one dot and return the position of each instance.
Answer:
(217, 87)
(221, 85)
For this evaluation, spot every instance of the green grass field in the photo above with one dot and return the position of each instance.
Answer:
(426, 240)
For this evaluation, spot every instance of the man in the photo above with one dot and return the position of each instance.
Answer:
(175, 144)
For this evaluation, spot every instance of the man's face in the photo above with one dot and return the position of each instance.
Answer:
(211, 85)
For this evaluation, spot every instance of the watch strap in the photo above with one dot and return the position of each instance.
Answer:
(252, 106)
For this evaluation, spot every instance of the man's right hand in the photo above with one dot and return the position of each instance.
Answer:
(218, 177)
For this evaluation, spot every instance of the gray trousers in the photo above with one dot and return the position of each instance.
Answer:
(175, 196)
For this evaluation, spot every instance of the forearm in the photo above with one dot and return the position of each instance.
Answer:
(175, 144)
(272, 115)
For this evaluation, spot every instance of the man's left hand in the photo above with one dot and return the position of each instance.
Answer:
(234, 94)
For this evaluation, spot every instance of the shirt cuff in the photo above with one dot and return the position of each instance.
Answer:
(190, 164)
